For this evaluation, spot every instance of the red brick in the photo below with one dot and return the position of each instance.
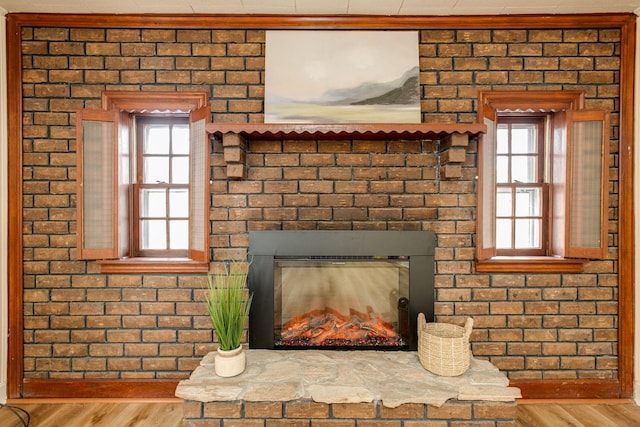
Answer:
(354, 410)
(333, 423)
(263, 410)
(192, 409)
(286, 423)
(306, 410)
(450, 411)
(222, 410)
(426, 423)
(243, 423)
(159, 364)
(405, 411)
(379, 423)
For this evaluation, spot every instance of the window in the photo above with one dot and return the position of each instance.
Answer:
(161, 192)
(543, 182)
(521, 196)
(143, 182)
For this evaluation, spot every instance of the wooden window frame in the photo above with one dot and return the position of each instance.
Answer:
(539, 122)
(126, 104)
(561, 257)
(139, 185)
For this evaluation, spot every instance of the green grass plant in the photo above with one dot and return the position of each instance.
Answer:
(228, 304)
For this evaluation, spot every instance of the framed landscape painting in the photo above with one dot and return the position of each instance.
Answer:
(342, 77)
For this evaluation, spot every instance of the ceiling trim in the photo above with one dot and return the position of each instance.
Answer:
(327, 22)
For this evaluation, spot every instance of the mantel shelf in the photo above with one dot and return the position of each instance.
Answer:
(333, 131)
(454, 138)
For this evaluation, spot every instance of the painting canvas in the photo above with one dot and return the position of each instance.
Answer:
(342, 76)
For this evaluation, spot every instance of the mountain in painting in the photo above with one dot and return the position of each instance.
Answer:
(403, 90)
(407, 94)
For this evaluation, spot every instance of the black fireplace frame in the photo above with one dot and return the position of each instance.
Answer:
(265, 246)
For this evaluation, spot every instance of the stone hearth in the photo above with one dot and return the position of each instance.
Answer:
(368, 382)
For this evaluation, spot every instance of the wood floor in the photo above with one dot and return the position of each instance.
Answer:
(96, 414)
(578, 415)
(169, 414)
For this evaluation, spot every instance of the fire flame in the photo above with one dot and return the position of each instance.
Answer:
(328, 327)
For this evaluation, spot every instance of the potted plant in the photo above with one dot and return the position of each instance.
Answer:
(228, 306)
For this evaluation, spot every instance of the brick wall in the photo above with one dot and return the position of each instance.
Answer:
(454, 413)
(81, 324)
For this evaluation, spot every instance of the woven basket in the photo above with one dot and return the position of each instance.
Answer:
(443, 349)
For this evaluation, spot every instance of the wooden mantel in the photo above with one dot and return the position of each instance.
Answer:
(454, 138)
(333, 131)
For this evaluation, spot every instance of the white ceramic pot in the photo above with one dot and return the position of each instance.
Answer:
(229, 363)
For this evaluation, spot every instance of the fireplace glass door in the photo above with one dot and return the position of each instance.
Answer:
(328, 302)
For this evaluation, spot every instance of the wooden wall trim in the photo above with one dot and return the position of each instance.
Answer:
(330, 22)
(99, 388)
(568, 389)
(14, 234)
(162, 100)
(531, 389)
(626, 231)
(625, 22)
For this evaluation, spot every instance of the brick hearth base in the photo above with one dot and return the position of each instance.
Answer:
(315, 388)
(303, 413)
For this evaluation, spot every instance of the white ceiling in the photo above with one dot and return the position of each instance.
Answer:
(324, 7)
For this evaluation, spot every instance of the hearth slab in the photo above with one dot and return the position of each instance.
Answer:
(332, 377)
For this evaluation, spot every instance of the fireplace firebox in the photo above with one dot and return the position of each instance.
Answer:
(339, 289)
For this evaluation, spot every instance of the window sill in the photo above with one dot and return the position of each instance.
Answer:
(530, 265)
(152, 265)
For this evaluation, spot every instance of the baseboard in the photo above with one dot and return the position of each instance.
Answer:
(531, 389)
(584, 401)
(67, 400)
(569, 389)
(37, 388)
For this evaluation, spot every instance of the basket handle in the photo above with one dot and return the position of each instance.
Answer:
(422, 322)
(468, 326)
